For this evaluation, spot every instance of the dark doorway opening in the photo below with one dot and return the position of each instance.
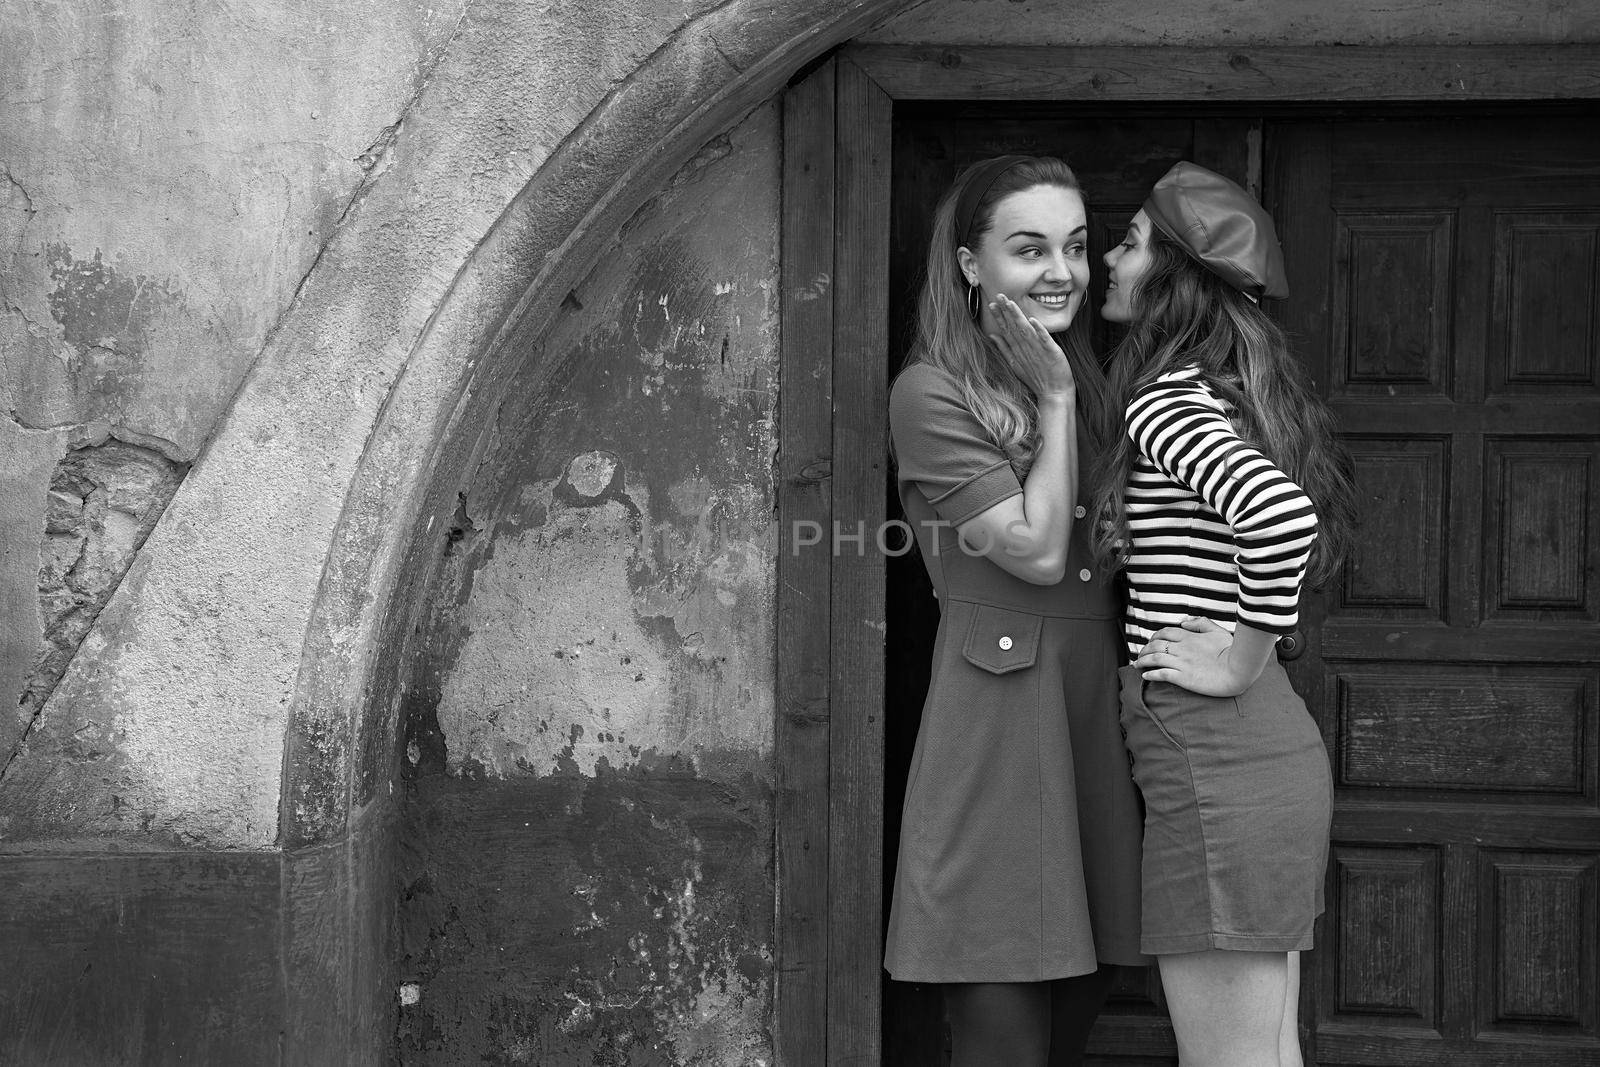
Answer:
(1439, 306)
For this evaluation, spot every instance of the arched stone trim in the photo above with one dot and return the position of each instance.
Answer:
(343, 719)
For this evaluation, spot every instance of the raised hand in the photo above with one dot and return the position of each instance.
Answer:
(1032, 353)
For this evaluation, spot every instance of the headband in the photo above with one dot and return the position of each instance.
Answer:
(978, 187)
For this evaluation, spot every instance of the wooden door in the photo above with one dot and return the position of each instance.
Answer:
(1446, 279)
(1406, 992)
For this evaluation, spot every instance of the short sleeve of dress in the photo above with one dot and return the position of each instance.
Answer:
(943, 449)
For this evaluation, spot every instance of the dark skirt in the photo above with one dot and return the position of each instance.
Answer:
(1238, 802)
(1019, 847)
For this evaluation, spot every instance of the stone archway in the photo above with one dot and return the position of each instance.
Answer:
(522, 270)
(344, 718)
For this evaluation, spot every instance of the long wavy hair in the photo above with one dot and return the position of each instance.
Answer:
(1184, 315)
(949, 338)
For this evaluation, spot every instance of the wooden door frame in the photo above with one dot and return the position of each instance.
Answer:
(837, 137)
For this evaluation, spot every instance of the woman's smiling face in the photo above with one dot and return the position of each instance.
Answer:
(1036, 252)
(1129, 262)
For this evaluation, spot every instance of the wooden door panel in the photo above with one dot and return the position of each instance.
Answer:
(1384, 919)
(1465, 727)
(1538, 906)
(1391, 295)
(1446, 299)
(1397, 570)
(1547, 304)
(1541, 510)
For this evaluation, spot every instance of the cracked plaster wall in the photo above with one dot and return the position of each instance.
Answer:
(174, 170)
(172, 173)
(621, 527)
(590, 720)
(206, 659)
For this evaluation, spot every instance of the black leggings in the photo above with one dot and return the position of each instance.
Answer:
(1024, 1024)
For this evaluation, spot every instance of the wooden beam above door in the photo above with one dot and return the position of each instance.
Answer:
(1323, 74)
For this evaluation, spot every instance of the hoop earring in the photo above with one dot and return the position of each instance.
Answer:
(974, 302)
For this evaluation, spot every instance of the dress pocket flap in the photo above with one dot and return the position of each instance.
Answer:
(1001, 640)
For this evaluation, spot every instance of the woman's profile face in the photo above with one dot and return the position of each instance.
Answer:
(1036, 252)
(1129, 262)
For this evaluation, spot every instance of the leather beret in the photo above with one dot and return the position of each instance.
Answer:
(1221, 226)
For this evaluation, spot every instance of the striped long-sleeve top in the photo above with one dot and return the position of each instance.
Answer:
(1216, 529)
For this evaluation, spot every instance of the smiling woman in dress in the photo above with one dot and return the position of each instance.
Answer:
(1017, 879)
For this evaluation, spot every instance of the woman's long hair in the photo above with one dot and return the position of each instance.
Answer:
(1184, 315)
(947, 337)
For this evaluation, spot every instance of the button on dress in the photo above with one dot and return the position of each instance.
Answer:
(1020, 835)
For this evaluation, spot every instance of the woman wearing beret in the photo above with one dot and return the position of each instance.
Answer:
(1017, 876)
(1221, 484)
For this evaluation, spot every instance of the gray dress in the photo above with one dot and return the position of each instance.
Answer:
(1020, 839)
